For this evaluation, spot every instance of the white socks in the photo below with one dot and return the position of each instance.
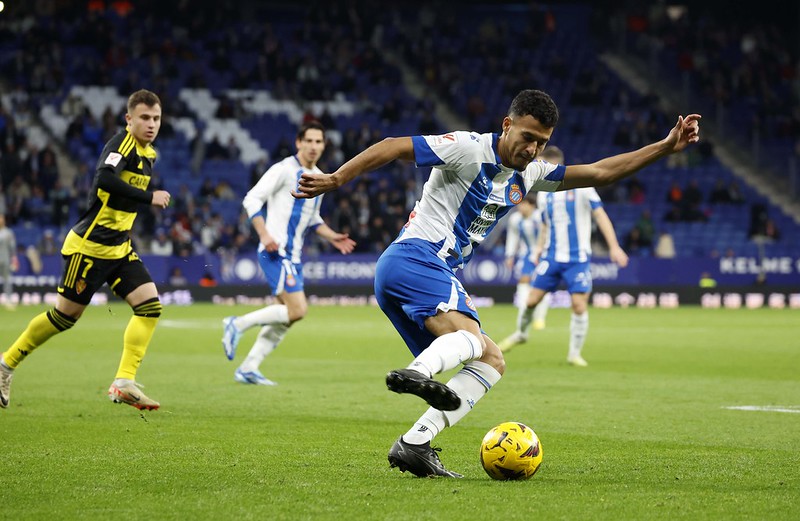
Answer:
(524, 319)
(446, 352)
(270, 315)
(268, 339)
(470, 383)
(578, 327)
(541, 309)
(521, 296)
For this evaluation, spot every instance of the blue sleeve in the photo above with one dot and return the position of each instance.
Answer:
(423, 154)
(557, 174)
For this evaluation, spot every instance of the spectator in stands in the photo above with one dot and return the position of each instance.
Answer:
(8, 260)
(636, 193)
(207, 280)
(665, 247)
(675, 194)
(177, 278)
(96, 255)
(735, 193)
(720, 193)
(633, 242)
(48, 244)
(707, 281)
(160, 244)
(61, 201)
(692, 196)
(647, 229)
(281, 223)
(215, 149)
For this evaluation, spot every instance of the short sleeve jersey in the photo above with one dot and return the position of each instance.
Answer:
(568, 215)
(287, 219)
(468, 191)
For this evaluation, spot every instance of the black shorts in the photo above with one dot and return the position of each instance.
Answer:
(83, 275)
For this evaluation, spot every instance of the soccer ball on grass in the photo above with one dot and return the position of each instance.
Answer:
(511, 451)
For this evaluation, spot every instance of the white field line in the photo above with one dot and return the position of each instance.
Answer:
(766, 408)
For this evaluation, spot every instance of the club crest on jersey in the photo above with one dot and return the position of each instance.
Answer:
(290, 280)
(469, 303)
(80, 285)
(515, 194)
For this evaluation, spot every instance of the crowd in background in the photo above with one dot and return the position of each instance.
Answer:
(345, 58)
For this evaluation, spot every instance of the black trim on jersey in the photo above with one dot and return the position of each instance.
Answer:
(110, 182)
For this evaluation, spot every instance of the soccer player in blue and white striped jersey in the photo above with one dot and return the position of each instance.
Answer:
(475, 179)
(563, 256)
(522, 236)
(281, 223)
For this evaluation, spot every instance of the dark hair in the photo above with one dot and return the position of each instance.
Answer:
(552, 154)
(308, 125)
(537, 104)
(143, 96)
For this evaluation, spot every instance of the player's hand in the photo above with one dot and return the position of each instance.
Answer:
(161, 198)
(270, 244)
(509, 262)
(537, 255)
(685, 131)
(343, 243)
(312, 185)
(618, 256)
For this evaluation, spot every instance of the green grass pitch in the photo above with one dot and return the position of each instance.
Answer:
(643, 433)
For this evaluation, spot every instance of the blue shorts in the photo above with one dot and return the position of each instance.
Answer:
(282, 275)
(524, 267)
(577, 276)
(412, 284)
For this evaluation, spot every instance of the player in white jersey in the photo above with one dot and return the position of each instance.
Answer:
(281, 223)
(563, 254)
(475, 179)
(522, 235)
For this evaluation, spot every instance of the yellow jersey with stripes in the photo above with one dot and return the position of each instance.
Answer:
(120, 186)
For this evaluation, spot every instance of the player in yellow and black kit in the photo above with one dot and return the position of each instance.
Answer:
(98, 251)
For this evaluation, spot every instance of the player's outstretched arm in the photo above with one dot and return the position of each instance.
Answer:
(604, 224)
(312, 185)
(614, 168)
(340, 241)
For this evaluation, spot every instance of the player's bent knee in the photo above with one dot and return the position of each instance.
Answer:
(150, 308)
(296, 315)
(493, 356)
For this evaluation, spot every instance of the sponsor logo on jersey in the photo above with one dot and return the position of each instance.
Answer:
(515, 194)
(445, 139)
(113, 159)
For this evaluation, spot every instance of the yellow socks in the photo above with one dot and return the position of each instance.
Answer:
(137, 337)
(39, 331)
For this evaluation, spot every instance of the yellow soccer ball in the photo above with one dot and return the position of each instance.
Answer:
(511, 451)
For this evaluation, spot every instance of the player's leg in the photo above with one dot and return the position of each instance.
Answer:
(440, 326)
(540, 312)
(579, 285)
(77, 286)
(578, 328)
(132, 282)
(268, 339)
(546, 279)
(283, 277)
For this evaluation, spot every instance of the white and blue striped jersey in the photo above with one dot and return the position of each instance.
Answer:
(468, 191)
(568, 215)
(522, 234)
(288, 219)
